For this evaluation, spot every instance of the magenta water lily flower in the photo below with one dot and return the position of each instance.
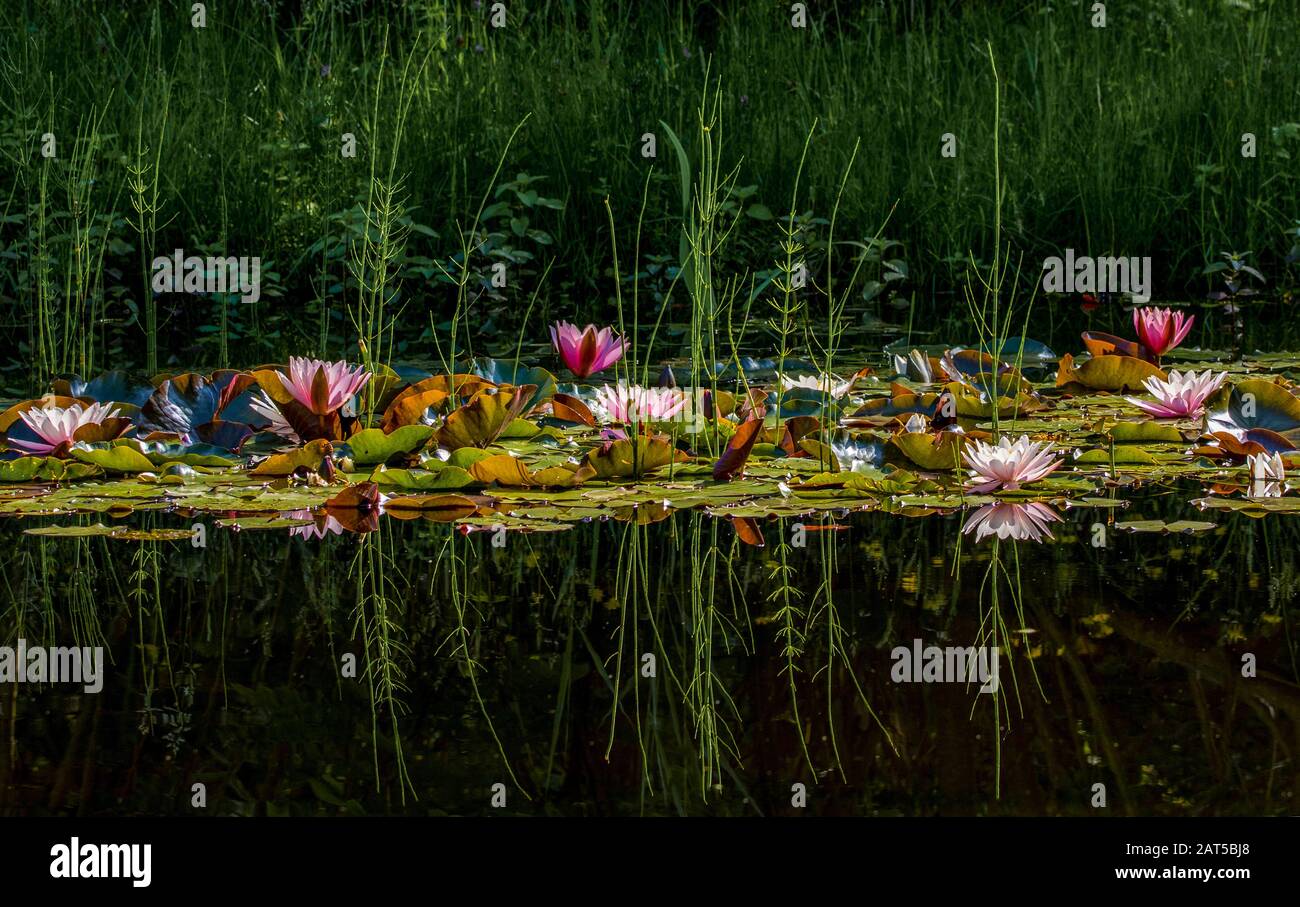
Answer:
(586, 351)
(1181, 396)
(323, 387)
(1012, 520)
(633, 403)
(55, 425)
(1160, 330)
(1007, 465)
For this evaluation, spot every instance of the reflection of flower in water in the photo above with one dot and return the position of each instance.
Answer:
(1267, 476)
(322, 524)
(1023, 522)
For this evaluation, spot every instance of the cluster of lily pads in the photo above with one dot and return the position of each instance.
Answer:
(319, 446)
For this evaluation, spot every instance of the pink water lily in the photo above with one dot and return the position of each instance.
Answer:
(1182, 395)
(1007, 465)
(54, 426)
(633, 403)
(1160, 330)
(1012, 520)
(323, 387)
(586, 351)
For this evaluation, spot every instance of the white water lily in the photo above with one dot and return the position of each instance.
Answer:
(854, 455)
(55, 425)
(915, 365)
(1007, 465)
(261, 403)
(916, 423)
(1267, 475)
(1182, 395)
(824, 383)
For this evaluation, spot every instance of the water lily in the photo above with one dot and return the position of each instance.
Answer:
(854, 454)
(54, 426)
(323, 387)
(1007, 465)
(1267, 475)
(1012, 520)
(265, 407)
(915, 365)
(823, 383)
(1184, 394)
(1160, 330)
(633, 403)
(586, 351)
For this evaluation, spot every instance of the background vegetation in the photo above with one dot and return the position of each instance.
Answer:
(1125, 139)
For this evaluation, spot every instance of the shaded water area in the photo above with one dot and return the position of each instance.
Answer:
(519, 659)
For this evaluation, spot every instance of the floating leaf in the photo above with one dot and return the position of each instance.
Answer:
(1149, 431)
(632, 458)
(309, 457)
(938, 451)
(113, 457)
(1255, 403)
(732, 461)
(1107, 373)
(448, 477)
(480, 421)
(371, 445)
(442, 507)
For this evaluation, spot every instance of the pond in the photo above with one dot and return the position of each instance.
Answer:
(828, 616)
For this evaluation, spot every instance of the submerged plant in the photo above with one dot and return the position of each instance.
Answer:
(1182, 395)
(587, 351)
(1008, 465)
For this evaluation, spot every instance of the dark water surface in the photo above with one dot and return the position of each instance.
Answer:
(1121, 664)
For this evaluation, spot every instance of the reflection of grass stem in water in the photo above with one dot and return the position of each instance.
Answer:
(706, 689)
(630, 581)
(384, 672)
(787, 618)
(460, 635)
(824, 606)
(993, 632)
(146, 593)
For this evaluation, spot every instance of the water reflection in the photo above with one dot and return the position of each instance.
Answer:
(664, 666)
(1021, 522)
